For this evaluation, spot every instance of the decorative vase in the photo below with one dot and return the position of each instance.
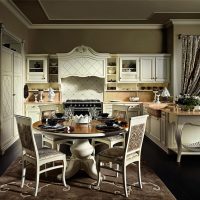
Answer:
(51, 95)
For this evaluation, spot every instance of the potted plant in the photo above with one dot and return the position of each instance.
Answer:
(188, 102)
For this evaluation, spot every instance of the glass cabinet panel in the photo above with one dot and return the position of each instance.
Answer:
(36, 68)
(36, 65)
(129, 69)
(129, 66)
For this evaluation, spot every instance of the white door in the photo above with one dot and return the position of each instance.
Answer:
(6, 98)
(147, 67)
(18, 87)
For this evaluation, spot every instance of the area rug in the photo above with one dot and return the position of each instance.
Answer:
(81, 187)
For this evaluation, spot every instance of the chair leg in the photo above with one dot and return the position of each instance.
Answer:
(37, 179)
(139, 175)
(58, 147)
(63, 171)
(98, 172)
(124, 181)
(23, 172)
(117, 168)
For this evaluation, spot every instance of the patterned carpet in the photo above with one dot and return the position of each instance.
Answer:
(81, 186)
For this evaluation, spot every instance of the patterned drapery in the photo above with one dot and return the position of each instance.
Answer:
(191, 65)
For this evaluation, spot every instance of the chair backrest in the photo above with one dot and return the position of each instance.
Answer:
(120, 112)
(135, 135)
(24, 125)
(47, 111)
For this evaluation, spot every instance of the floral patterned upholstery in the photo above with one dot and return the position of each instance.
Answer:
(136, 137)
(46, 153)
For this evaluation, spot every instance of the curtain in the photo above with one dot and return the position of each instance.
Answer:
(191, 65)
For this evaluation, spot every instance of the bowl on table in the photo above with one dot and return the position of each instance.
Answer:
(104, 115)
(52, 122)
(59, 115)
(109, 122)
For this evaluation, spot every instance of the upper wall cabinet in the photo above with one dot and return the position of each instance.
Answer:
(36, 68)
(154, 68)
(129, 69)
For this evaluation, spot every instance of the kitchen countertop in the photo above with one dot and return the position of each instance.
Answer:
(169, 108)
(45, 102)
(122, 102)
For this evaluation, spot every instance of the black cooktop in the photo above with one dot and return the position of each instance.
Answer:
(82, 100)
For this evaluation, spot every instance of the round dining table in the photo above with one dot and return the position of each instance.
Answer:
(82, 157)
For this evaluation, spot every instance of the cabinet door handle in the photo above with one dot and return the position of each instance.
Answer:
(14, 95)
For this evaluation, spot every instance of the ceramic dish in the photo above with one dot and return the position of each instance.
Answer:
(52, 128)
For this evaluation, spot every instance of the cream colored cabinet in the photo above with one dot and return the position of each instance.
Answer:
(53, 68)
(32, 111)
(11, 95)
(111, 73)
(107, 108)
(163, 136)
(154, 68)
(155, 128)
(36, 65)
(129, 69)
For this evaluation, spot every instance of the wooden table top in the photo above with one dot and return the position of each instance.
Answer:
(80, 130)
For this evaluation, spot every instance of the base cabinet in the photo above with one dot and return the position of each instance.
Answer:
(160, 131)
(155, 127)
(33, 112)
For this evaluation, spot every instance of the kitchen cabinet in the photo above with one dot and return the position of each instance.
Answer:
(163, 135)
(32, 111)
(129, 69)
(155, 127)
(154, 68)
(53, 68)
(111, 73)
(11, 89)
(107, 108)
(36, 65)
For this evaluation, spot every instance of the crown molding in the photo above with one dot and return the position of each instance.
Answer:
(11, 6)
(96, 26)
(185, 21)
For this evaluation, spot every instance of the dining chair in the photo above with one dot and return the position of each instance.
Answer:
(121, 113)
(38, 157)
(131, 152)
(48, 111)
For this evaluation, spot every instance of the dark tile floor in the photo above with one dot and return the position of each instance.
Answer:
(183, 180)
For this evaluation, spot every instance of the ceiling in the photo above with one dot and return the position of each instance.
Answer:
(66, 12)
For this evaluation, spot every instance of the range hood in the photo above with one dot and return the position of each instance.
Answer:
(82, 61)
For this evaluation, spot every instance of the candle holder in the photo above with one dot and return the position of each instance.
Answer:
(41, 93)
(36, 96)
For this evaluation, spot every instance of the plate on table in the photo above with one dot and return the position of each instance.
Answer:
(193, 146)
(57, 127)
(105, 128)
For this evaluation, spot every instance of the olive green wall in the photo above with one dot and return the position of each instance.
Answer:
(111, 41)
(13, 25)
